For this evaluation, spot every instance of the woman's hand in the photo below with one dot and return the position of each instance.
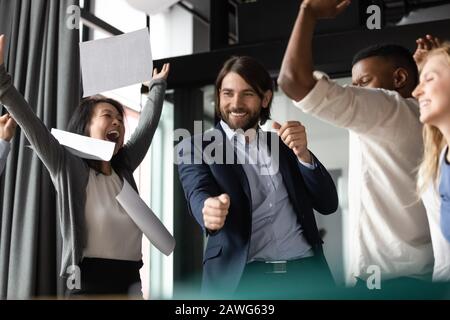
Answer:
(425, 45)
(7, 127)
(160, 75)
(163, 74)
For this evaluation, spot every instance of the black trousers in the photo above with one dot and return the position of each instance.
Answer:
(307, 278)
(107, 277)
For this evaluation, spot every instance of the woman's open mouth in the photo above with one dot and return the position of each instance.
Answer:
(113, 136)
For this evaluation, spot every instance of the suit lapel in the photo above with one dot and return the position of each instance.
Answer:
(286, 172)
(283, 160)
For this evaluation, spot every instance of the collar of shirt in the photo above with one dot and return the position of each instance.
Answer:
(249, 136)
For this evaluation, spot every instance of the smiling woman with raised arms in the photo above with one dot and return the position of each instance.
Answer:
(98, 236)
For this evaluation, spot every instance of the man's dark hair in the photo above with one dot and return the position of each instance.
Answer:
(82, 115)
(254, 74)
(398, 55)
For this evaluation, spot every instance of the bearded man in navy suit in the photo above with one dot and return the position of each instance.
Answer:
(253, 194)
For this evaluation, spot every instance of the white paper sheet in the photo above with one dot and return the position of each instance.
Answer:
(116, 62)
(145, 219)
(85, 147)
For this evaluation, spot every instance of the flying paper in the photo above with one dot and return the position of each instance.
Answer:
(145, 219)
(116, 62)
(85, 147)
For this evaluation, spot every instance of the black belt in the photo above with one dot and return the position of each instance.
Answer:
(276, 267)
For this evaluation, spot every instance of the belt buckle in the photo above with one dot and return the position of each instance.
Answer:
(277, 266)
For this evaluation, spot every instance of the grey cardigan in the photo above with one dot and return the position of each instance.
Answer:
(69, 173)
(4, 150)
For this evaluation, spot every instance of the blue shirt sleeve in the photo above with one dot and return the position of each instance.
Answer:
(310, 166)
(4, 150)
(444, 191)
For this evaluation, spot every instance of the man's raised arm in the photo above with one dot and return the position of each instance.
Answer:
(296, 74)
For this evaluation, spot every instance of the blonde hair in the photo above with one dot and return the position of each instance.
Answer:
(433, 139)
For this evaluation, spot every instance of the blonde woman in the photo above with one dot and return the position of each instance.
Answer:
(433, 94)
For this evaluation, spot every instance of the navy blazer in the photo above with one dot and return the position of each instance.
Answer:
(226, 252)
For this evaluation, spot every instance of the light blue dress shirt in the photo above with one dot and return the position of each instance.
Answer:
(276, 232)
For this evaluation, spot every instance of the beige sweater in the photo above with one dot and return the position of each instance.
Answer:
(387, 226)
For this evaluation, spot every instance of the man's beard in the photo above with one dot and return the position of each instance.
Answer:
(251, 122)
